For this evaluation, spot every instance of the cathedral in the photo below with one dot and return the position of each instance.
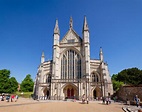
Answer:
(71, 74)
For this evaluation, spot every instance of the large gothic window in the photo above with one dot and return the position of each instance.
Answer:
(70, 65)
(95, 77)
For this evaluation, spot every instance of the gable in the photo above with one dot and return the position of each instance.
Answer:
(71, 37)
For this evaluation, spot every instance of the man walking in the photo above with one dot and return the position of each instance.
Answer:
(137, 100)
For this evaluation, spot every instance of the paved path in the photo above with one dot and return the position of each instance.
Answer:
(131, 108)
(29, 105)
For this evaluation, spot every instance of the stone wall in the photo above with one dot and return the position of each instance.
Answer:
(129, 92)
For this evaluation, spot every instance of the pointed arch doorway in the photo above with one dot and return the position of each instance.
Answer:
(97, 93)
(94, 94)
(46, 93)
(70, 92)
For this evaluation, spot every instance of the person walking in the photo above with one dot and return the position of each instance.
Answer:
(12, 98)
(16, 98)
(137, 100)
(87, 100)
(83, 98)
(107, 100)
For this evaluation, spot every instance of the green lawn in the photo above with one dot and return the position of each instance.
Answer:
(24, 94)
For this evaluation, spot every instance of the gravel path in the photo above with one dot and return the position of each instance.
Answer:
(29, 105)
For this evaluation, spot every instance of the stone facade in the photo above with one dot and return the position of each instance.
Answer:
(71, 73)
(128, 92)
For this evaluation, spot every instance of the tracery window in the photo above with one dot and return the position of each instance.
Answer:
(49, 78)
(95, 77)
(44, 78)
(70, 65)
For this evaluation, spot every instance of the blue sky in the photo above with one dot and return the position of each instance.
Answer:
(26, 29)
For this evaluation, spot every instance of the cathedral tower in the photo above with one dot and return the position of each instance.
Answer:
(71, 74)
(56, 37)
(86, 46)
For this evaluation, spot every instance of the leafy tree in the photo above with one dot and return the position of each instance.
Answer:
(7, 84)
(114, 77)
(4, 77)
(27, 84)
(13, 84)
(132, 76)
(116, 84)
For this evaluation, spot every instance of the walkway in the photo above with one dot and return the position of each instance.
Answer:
(29, 105)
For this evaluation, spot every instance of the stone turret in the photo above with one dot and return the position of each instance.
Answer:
(71, 23)
(42, 58)
(56, 34)
(56, 37)
(86, 44)
(101, 55)
(85, 25)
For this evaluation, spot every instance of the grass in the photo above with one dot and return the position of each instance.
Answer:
(24, 94)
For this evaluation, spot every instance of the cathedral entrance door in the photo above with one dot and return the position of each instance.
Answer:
(70, 92)
(97, 93)
(94, 94)
(46, 93)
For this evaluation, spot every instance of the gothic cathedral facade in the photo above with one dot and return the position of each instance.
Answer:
(71, 73)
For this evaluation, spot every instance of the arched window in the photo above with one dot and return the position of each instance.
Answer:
(64, 67)
(49, 79)
(44, 78)
(95, 77)
(70, 65)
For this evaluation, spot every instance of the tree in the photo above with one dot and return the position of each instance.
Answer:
(116, 84)
(7, 84)
(13, 84)
(27, 84)
(132, 76)
(4, 80)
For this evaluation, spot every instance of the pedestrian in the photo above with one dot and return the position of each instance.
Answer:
(103, 100)
(87, 100)
(7, 98)
(97, 98)
(114, 99)
(107, 100)
(16, 98)
(137, 100)
(12, 98)
(83, 98)
(2, 98)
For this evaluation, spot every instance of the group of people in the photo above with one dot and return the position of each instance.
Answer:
(12, 98)
(106, 100)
